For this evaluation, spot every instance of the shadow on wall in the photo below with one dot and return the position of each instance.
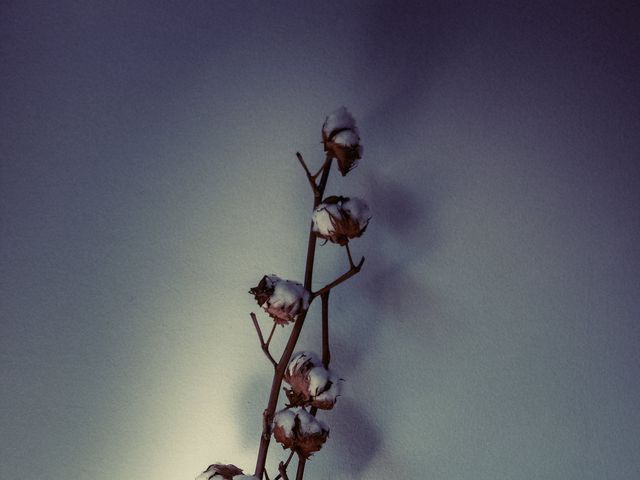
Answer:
(386, 292)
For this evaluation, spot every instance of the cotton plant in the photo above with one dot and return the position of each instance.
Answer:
(310, 384)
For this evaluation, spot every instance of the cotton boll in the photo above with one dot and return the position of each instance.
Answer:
(300, 359)
(329, 396)
(339, 219)
(311, 384)
(282, 299)
(285, 419)
(318, 378)
(357, 209)
(337, 120)
(305, 434)
(347, 138)
(308, 423)
(342, 140)
(323, 219)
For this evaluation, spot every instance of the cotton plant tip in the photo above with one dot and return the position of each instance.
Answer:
(338, 120)
(339, 219)
(282, 299)
(299, 431)
(220, 471)
(310, 383)
(341, 139)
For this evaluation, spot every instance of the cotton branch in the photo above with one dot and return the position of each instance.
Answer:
(341, 142)
(311, 178)
(283, 471)
(317, 189)
(342, 278)
(263, 344)
(282, 468)
(351, 264)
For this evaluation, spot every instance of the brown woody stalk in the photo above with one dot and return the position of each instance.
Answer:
(326, 359)
(281, 366)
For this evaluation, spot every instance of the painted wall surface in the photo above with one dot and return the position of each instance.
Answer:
(148, 179)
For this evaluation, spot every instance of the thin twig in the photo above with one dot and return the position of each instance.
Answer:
(285, 464)
(273, 329)
(283, 471)
(315, 175)
(351, 264)
(345, 276)
(304, 165)
(263, 345)
(311, 178)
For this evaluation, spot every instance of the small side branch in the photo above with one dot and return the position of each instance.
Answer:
(311, 178)
(345, 276)
(283, 471)
(282, 468)
(351, 264)
(264, 345)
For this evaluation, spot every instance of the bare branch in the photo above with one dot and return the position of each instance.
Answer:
(345, 276)
(315, 175)
(304, 165)
(311, 178)
(283, 471)
(263, 345)
(284, 465)
(351, 264)
(273, 329)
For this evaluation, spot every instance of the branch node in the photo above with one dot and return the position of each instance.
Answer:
(283, 471)
(345, 276)
(264, 345)
(311, 178)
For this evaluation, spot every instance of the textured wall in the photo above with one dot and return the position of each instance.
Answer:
(148, 179)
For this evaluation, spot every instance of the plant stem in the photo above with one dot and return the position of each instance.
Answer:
(283, 465)
(264, 345)
(326, 359)
(345, 276)
(300, 472)
(295, 333)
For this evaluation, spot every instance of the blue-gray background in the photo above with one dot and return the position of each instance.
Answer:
(148, 179)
